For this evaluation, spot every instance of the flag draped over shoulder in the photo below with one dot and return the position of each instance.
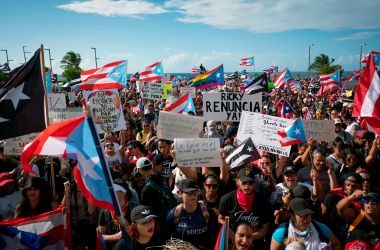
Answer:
(49, 230)
(22, 101)
(210, 78)
(72, 139)
(110, 76)
(293, 134)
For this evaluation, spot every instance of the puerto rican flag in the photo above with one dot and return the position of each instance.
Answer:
(293, 134)
(271, 70)
(110, 76)
(249, 61)
(73, 139)
(49, 230)
(294, 86)
(152, 73)
(351, 77)
(195, 71)
(326, 79)
(367, 101)
(283, 78)
(307, 115)
(286, 110)
(376, 57)
(184, 104)
(325, 89)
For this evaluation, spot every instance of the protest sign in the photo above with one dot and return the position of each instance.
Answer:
(139, 86)
(173, 125)
(152, 91)
(320, 130)
(198, 152)
(56, 100)
(167, 90)
(227, 106)
(184, 90)
(57, 115)
(15, 146)
(263, 131)
(107, 109)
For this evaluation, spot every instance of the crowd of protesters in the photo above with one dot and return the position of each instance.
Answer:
(325, 195)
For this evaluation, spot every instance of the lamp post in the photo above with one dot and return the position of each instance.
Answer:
(25, 52)
(8, 60)
(308, 68)
(50, 59)
(361, 51)
(96, 59)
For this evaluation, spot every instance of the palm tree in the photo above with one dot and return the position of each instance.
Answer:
(71, 60)
(320, 62)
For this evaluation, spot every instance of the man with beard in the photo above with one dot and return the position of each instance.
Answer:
(246, 205)
(212, 132)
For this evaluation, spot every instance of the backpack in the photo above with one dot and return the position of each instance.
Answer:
(322, 237)
(178, 209)
(167, 199)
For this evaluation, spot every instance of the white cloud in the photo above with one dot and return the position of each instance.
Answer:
(265, 16)
(129, 8)
(346, 59)
(357, 36)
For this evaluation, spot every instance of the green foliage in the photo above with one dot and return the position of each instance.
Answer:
(2, 75)
(327, 69)
(71, 60)
(324, 65)
(71, 73)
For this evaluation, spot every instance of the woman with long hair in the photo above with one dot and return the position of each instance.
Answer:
(211, 193)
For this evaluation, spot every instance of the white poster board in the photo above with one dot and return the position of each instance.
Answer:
(198, 152)
(263, 131)
(320, 130)
(15, 146)
(56, 101)
(152, 91)
(227, 106)
(107, 109)
(184, 90)
(139, 86)
(58, 115)
(173, 125)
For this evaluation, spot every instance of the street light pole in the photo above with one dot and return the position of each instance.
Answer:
(8, 60)
(308, 68)
(50, 59)
(361, 51)
(96, 59)
(25, 52)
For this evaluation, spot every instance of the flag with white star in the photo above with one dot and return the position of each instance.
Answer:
(210, 78)
(245, 153)
(293, 134)
(22, 101)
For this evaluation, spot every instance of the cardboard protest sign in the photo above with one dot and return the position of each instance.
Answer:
(263, 131)
(228, 106)
(58, 115)
(198, 152)
(152, 91)
(184, 90)
(15, 146)
(107, 109)
(320, 130)
(167, 90)
(173, 125)
(56, 100)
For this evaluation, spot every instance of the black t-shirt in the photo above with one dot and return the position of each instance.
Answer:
(168, 165)
(155, 242)
(373, 169)
(365, 231)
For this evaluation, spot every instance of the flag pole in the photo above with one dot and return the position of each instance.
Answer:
(106, 171)
(52, 175)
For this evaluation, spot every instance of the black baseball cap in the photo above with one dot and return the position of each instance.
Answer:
(246, 174)
(300, 191)
(371, 195)
(300, 207)
(141, 214)
(187, 185)
(36, 182)
(289, 169)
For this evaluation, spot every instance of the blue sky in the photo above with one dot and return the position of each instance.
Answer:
(184, 33)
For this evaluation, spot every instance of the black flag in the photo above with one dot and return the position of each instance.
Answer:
(259, 84)
(22, 101)
(245, 153)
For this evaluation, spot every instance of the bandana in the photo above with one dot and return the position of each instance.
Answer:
(123, 212)
(245, 200)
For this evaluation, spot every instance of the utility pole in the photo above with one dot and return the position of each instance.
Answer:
(361, 51)
(25, 52)
(96, 59)
(50, 59)
(8, 60)
(308, 68)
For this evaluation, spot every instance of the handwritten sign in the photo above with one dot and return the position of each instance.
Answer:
(167, 90)
(15, 146)
(173, 125)
(58, 115)
(227, 106)
(56, 101)
(152, 91)
(320, 130)
(184, 90)
(107, 109)
(198, 152)
(263, 131)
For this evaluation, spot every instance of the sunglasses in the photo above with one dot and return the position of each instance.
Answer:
(370, 201)
(109, 145)
(248, 183)
(213, 186)
(195, 192)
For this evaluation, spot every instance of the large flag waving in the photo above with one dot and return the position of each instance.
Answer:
(376, 57)
(250, 61)
(184, 104)
(259, 84)
(152, 73)
(73, 139)
(210, 78)
(245, 153)
(283, 78)
(49, 230)
(110, 76)
(22, 101)
(286, 111)
(367, 101)
(327, 79)
(293, 134)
